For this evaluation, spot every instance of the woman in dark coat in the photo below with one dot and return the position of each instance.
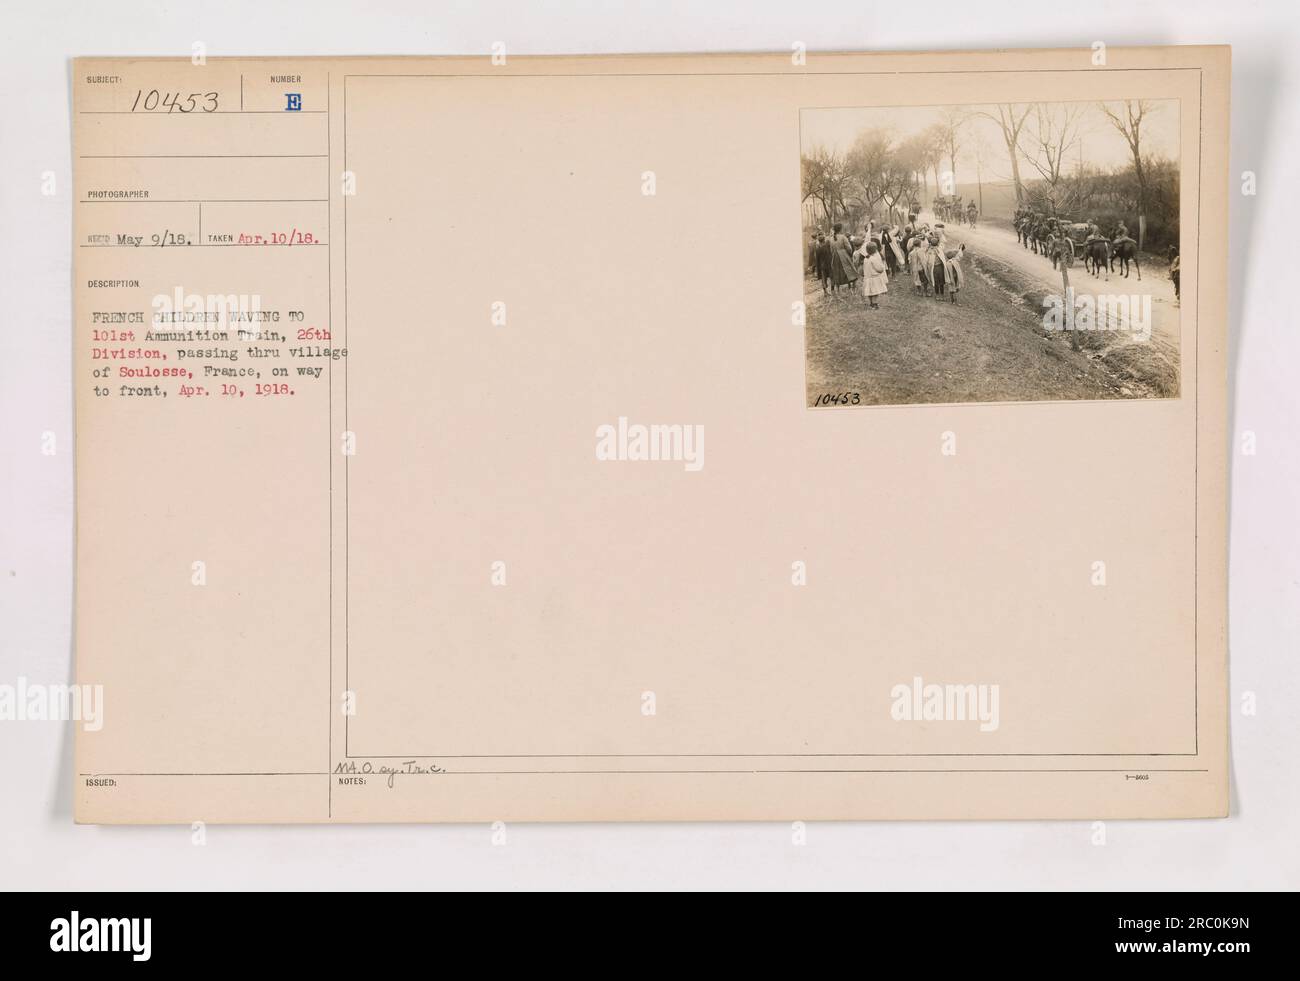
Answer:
(938, 269)
(887, 248)
(822, 265)
(843, 270)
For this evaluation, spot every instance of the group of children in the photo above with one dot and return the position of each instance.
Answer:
(877, 255)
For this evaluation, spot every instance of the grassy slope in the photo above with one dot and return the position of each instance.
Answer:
(984, 348)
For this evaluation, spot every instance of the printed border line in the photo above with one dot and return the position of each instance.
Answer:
(329, 438)
(473, 773)
(1196, 411)
(878, 406)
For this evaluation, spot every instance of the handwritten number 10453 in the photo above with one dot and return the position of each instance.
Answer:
(155, 101)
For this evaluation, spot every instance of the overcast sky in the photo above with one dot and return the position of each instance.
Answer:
(1102, 144)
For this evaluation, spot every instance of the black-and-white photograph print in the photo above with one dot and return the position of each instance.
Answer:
(1019, 252)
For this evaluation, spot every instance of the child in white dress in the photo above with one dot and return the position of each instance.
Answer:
(875, 281)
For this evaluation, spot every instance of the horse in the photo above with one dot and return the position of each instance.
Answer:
(1097, 252)
(1174, 272)
(1126, 251)
(1025, 229)
(1043, 232)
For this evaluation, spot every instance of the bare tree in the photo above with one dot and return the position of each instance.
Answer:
(824, 175)
(903, 176)
(934, 146)
(1011, 119)
(949, 134)
(1127, 118)
(979, 152)
(866, 164)
(1055, 133)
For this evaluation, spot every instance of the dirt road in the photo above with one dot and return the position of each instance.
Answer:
(995, 245)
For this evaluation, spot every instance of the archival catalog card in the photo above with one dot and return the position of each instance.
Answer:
(794, 436)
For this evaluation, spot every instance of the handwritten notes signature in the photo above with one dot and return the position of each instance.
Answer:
(389, 772)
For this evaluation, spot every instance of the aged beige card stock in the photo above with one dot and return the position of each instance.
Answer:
(463, 440)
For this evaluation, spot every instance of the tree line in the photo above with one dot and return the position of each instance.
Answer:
(879, 174)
